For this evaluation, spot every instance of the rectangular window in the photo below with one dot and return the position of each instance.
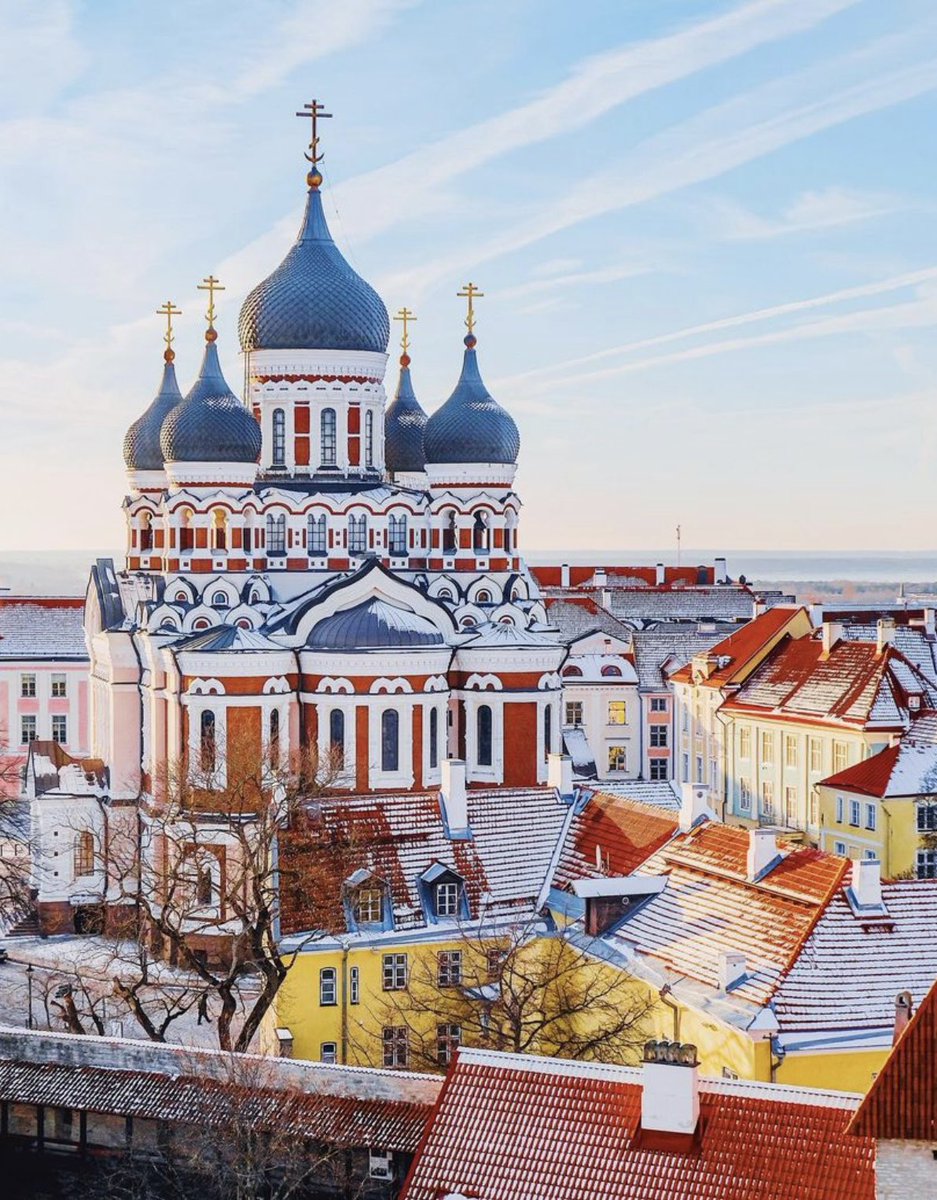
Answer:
(767, 747)
(840, 849)
(790, 750)
(27, 729)
(573, 712)
(790, 806)
(59, 728)
(814, 808)
(617, 712)
(617, 758)
(745, 795)
(449, 968)
(745, 742)
(658, 704)
(447, 899)
(495, 961)
(59, 687)
(658, 768)
(448, 1038)
(395, 972)
(369, 906)
(854, 812)
(767, 799)
(840, 810)
(315, 534)
(396, 1046)
(328, 990)
(328, 1052)
(840, 756)
(84, 853)
(927, 864)
(660, 736)
(276, 533)
(699, 768)
(28, 685)
(357, 534)
(927, 817)
(686, 768)
(870, 816)
(354, 986)
(816, 755)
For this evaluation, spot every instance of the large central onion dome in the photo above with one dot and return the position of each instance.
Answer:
(471, 427)
(141, 442)
(404, 422)
(211, 424)
(314, 300)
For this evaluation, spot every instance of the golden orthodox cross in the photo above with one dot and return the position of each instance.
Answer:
(314, 111)
(168, 311)
(471, 293)
(405, 316)
(211, 285)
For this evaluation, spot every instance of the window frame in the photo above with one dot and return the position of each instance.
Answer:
(449, 968)
(395, 1043)
(660, 736)
(616, 706)
(328, 986)
(30, 720)
(28, 685)
(60, 728)
(328, 438)
(59, 685)
(573, 713)
(451, 889)
(278, 439)
(617, 754)
(395, 972)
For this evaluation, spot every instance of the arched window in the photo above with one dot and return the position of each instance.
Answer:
(273, 739)
(433, 738)
(548, 729)
(571, 672)
(204, 886)
(207, 747)
(242, 623)
(444, 594)
(467, 622)
(219, 600)
(611, 669)
(168, 623)
(146, 531)
(219, 530)
(369, 439)
(276, 533)
(186, 538)
(315, 534)
(182, 598)
(449, 533)
(328, 438)
(397, 535)
(337, 737)
(480, 534)
(201, 623)
(510, 533)
(505, 620)
(249, 534)
(390, 740)
(483, 597)
(357, 534)
(279, 437)
(483, 735)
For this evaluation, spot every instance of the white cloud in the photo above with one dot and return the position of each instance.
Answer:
(811, 211)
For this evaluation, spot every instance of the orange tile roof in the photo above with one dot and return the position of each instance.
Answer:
(513, 1127)
(869, 777)
(741, 647)
(902, 1102)
(548, 576)
(625, 831)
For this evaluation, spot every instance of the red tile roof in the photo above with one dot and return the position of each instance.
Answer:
(625, 831)
(673, 576)
(869, 777)
(508, 1127)
(742, 646)
(902, 1102)
(907, 769)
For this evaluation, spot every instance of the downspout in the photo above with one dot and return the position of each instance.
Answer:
(344, 1058)
(725, 774)
(666, 995)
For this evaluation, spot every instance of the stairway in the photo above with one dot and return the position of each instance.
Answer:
(27, 926)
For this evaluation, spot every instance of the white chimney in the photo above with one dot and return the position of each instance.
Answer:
(600, 578)
(930, 625)
(455, 801)
(661, 576)
(731, 969)
(762, 851)
(722, 575)
(560, 773)
(832, 632)
(867, 882)
(759, 606)
(564, 575)
(670, 1088)
(694, 804)
(885, 631)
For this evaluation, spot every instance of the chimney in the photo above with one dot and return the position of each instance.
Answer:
(867, 883)
(885, 634)
(762, 852)
(670, 1088)
(455, 801)
(832, 632)
(722, 575)
(564, 575)
(660, 577)
(560, 773)
(930, 626)
(694, 805)
(904, 1011)
(600, 578)
(731, 969)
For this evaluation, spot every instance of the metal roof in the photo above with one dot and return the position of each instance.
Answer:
(404, 422)
(374, 625)
(211, 424)
(141, 442)
(471, 427)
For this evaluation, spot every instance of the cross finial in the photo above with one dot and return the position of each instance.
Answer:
(169, 311)
(405, 316)
(211, 285)
(314, 111)
(470, 293)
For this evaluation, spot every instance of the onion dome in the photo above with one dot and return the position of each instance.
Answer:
(374, 625)
(314, 300)
(211, 424)
(404, 422)
(471, 427)
(141, 442)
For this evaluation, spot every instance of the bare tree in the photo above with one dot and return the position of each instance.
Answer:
(15, 841)
(525, 989)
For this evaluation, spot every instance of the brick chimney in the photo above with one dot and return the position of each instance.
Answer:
(560, 773)
(454, 799)
(694, 805)
(670, 1088)
(762, 852)
(904, 1011)
(885, 634)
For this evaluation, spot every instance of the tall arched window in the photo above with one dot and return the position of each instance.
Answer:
(279, 437)
(328, 438)
(219, 529)
(548, 729)
(276, 533)
(273, 739)
(315, 534)
(397, 535)
(510, 533)
(390, 740)
(449, 533)
(207, 741)
(480, 534)
(369, 439)
(483, 735)
(186, 537)
(146, 531)
(433, 738)
(249, 533)
(337, 737)
(357, 534)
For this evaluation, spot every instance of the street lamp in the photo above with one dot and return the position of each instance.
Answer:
(29, 992)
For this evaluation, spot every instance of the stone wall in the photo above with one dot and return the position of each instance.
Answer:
(905, 1169)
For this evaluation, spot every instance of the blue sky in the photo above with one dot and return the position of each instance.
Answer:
(705, 231)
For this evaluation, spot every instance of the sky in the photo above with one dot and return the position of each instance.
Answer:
(706, 233)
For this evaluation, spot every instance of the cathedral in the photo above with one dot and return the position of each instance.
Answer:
(311, 568)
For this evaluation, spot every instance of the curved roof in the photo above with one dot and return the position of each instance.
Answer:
(471, 427)
(211, 424)
(404, 422)
(314, 300)
(374, 625)
(141, 442)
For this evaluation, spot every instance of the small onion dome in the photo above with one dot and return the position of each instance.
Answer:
(141, 442)
(471, 427)
(211, 424)
(404, 422)
(374, 625)
(314, 300)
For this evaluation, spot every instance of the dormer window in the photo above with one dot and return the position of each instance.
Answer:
(447, 899)
(443, 893)
(369, 905)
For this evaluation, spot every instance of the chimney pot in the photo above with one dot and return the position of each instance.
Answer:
(670, 1088)
(904, 1011)
(732, 965)
(762, 851)
(560, 773)
(454, 798)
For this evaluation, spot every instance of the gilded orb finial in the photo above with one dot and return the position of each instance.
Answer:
(405, 316)
(169, 310)
(314, 111)
(470, 293)
(211, 285)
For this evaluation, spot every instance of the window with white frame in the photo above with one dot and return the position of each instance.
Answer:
(790, 805)
(397, 535)
(396, 1045)
(927, 816)
(59, 686)
(448, 1038)
(840, 849)
(315, 534)
(369, 438)
(279, 437)
(449, 968)
(28, 731)
(369, 906)
(840, 810)
(658, 768)
(767, 799)
(745, 795)
(854, 813)
(659, 704)
(394, 972)
(328, 1052)
(816, 755)
(59, 728)
(790, 750)
(660, 736)
(840, 756)
(745, 742)
(276, 533)
(354, 985)
(28, 685)
(767, 747)
(328, 987)
(357, 534)
(927, 864)
(573, 712)
(84, 853)
(447, 899)
(328, 440)
(871, 815)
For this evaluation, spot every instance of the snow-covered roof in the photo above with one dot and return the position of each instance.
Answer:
(907, 769)
(660, 651)
(42, 628)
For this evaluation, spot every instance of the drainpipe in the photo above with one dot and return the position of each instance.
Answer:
(774, 1047)
(344, 1057)
(666, 995)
